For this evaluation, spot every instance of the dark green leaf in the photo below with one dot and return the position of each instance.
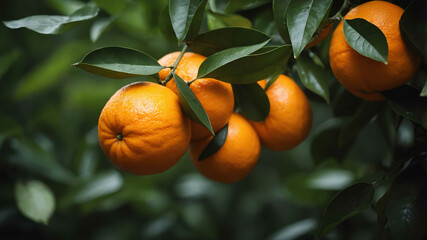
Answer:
(303, 18)
(382, 220)
(66, 7)
(295, 230)
(45, 24)
(35, 200)
(221, 20)
(345, 102)
(252, 68)
(314, 77)
(113, 7)
(406, 207)
(252, 101)
(406, 102)
(99, 27)
(235, 5)
(413, 26)
(424, 91)
(217, 40)
(215, 144)
(366, 112)
(347, 203)
(366, 38)
(191, 105)
(280, 8)
(8, 59)
(273, 78)
(116, 62)
(325, 143)
(186, 17)
(166, 25)
(226, 56)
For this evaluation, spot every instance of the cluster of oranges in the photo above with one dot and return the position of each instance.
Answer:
(143, 130)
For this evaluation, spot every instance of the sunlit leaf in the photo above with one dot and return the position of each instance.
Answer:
(220, 20)
(347, 203)
(191, 105)
(186, 17)
(366, 38)
(117, 62)
(45, 24)
(35, 200)
(303, 18)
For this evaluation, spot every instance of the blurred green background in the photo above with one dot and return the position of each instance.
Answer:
(48, 133)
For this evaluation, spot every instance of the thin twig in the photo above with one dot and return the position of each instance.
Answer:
(169, 77)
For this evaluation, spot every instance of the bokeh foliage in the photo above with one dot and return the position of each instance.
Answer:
(50, 157)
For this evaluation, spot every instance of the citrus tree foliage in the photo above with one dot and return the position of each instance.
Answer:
(361, 173)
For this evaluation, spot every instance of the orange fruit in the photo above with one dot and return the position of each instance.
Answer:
(323, 34)
(215, 96)
(290, 117)
(143, 130)
(235, 159)
(363, 76)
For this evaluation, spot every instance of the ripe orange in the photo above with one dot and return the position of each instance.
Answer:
(215, 96)
(235, 159)
(363, 76)
(143, 130)
(323, 34)
(290, 117)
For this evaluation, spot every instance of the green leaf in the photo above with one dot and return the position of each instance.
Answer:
(226, 56)
(406, 207)
(217, 40)
(295, 230)
(186, 17)
(347, 203)
(271, 79)
(215, 144)
(424, 91)
(66, 7)
(303, 18)
(314, 77)
(35, 200)
(113, 7)
(406, 102)
(413, 26)
(252, 68)
(280, 9)
(222, 20)
(366, 39)
(45, 24)
(252, 101)
(366, 112)
(117, 62)
(191, 105)
(382, 220)
(325, 143)
(99, 27)
(166, 25)
(235, 5)
(101, 185)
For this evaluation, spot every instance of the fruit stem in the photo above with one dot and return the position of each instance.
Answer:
(338, 15)
(169, 77)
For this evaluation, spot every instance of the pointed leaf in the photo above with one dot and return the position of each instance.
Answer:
(215, 144)
(217, 40)
(191, 105)
(303, 19)
(280, 9)
(51, 24)
(252, 101)
(186, 17)
(273, 78)
(35, 200)
(252, 68)
(424, 90)
(347, 203)
(226, 56)
(413, 25)
(116, 62)
(314, 77)
(366, 39)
